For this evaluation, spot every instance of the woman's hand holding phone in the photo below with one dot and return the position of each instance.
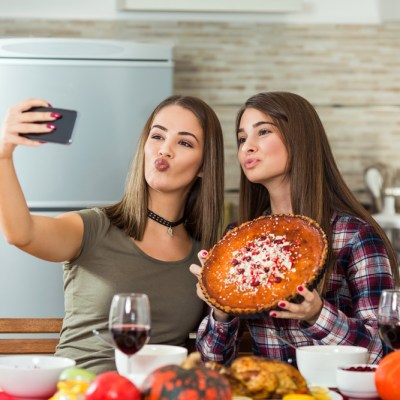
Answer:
(61, 127)
(17, 121)
(33, 122)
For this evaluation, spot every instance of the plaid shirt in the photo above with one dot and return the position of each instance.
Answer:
(348, 316)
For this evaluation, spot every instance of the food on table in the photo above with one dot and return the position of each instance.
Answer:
(71, 390)
(173, 382)
(260, 378)
(112, 386)
(73, 383)
(241, 398)
(319, 392)
(387, 377)
(361, 368)
(5, 396)
(298, 397)
(263, 261)
(192, 360)
(76, 374)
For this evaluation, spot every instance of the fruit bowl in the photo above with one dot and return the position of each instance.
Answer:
(357, 381)
(31, 375)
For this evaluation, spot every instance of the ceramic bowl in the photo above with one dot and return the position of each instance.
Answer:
(357, 381)
(318, 364)
(31, 375)
(149, 358)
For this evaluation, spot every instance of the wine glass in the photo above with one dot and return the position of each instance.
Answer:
(389, 318)
(129, 323)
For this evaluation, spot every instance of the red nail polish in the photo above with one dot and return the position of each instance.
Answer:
(300, 288)
(51, 126)
(42, 142)
(55, 115)
(49, 105)
(282, 305)
(204, 253)
(273, 314)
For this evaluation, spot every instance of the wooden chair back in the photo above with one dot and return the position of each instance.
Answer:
(29, 345)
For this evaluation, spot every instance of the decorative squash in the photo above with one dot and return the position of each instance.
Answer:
(172, 382)
(387, 377)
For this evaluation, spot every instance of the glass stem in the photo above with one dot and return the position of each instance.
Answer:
(128, 367)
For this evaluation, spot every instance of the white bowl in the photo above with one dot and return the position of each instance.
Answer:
(31, 375)
(318, 364)
(359, 384)
(149, 358)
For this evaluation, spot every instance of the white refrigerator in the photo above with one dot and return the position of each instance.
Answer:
(114, 85)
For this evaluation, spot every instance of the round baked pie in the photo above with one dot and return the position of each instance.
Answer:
(262, 261)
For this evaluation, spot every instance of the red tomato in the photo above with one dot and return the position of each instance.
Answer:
(112, 386)
(387, 377)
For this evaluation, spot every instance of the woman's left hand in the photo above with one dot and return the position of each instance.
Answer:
(308, 311)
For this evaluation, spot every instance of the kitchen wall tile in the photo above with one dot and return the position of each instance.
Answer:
(351, 73)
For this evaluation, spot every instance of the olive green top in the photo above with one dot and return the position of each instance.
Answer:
(109, 263)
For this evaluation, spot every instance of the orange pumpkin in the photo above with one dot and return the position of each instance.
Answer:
(387, 377)
(173, 382)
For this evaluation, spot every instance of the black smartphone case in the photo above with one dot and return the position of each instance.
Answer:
(64, 126)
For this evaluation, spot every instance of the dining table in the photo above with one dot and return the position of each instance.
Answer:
(4, 396)
(353, 398)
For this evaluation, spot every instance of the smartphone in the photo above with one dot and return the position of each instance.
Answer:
(64, 126)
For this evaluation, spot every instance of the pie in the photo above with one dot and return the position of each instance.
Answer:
(262, 261)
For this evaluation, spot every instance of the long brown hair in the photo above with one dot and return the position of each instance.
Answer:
(317, 187)
(204, 203)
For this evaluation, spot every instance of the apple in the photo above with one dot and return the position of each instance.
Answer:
(73, 383)
(5, 396)
(76, 374)
(112, 386)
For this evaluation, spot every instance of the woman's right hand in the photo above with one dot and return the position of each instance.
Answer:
(195, 270)
(18, 121)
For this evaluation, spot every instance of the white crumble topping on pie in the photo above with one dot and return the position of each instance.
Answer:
(263, 262)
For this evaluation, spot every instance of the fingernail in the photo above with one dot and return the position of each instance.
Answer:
(300, 288)
(51, 126)
(273, 314)
(49, 105)
(282, 305)
(42, 142)
(55, 115)
(204, 253)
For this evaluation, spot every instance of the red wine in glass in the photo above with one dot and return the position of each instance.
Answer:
(129, 323)
(389, 317)
(390, 334)
(130, 338)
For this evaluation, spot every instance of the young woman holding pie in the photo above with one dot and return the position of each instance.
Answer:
(287, 167)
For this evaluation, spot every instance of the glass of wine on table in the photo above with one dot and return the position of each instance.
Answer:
(389, 318)
(129, 323)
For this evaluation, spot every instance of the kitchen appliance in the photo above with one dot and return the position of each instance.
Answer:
(114, 85)
(376, 179)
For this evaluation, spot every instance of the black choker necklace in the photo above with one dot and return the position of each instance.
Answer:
(165, 222)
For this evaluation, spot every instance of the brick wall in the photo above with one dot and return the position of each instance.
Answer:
(351, 73)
